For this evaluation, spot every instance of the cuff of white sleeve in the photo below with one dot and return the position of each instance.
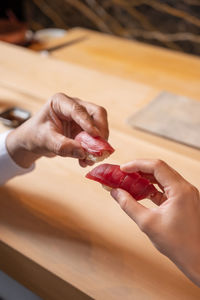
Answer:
(8, 168)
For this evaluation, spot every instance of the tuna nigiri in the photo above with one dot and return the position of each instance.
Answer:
(112, 176)
(97, 148)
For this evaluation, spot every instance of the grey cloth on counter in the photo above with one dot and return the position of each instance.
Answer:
(171, 116)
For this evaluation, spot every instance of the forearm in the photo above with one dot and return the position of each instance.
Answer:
(189, 263)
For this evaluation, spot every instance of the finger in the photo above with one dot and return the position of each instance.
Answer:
(63, 146)
(89, 162)
(75, 129)
(163, 173)
(99, 115)
(82, 163)
(151, 178)
(80, 115)
(101, 122)
(158, 198)
(132, 208)
(67, 108)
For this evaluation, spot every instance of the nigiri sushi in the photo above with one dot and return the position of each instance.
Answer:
(134, 183)
(96, 148)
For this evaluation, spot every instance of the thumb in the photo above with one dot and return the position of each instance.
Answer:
(63, 146)
(131, 207)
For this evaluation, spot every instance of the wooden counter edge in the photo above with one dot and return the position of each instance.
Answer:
(28, 273)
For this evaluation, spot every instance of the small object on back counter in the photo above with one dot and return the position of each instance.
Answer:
(96, 147)
(14, 116)
(134, 183)
(14, 31)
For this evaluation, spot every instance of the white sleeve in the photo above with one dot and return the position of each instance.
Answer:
(8, 168)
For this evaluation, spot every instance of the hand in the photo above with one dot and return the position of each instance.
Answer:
(52, 130)
(174, 225)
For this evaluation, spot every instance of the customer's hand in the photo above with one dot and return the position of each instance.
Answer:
(174, 225)
(52, 130)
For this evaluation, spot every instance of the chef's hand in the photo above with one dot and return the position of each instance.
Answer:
(52, 130)
(173, 225)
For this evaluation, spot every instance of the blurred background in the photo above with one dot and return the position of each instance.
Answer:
(166, 23)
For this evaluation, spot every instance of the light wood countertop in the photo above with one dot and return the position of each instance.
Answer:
(63, 235)
(165, 69)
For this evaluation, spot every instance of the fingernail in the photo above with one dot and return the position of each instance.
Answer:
(78, 153)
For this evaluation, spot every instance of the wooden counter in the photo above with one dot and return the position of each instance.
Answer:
(165, 69)
(63, 236)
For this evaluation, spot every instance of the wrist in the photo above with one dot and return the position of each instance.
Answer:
(16, 148)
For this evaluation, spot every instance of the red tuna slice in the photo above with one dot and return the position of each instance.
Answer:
(111, 175)
(107, 174)
(94, 145)
(150, 190)
(140, 190)
(129, 181)
(138, 186)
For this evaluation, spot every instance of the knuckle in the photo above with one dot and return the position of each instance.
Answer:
(191, 190)
(57, 96)
(80, 113)
(101, 110)
(159, 163)
(61, 149)
(54, 101)
(58, 148)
